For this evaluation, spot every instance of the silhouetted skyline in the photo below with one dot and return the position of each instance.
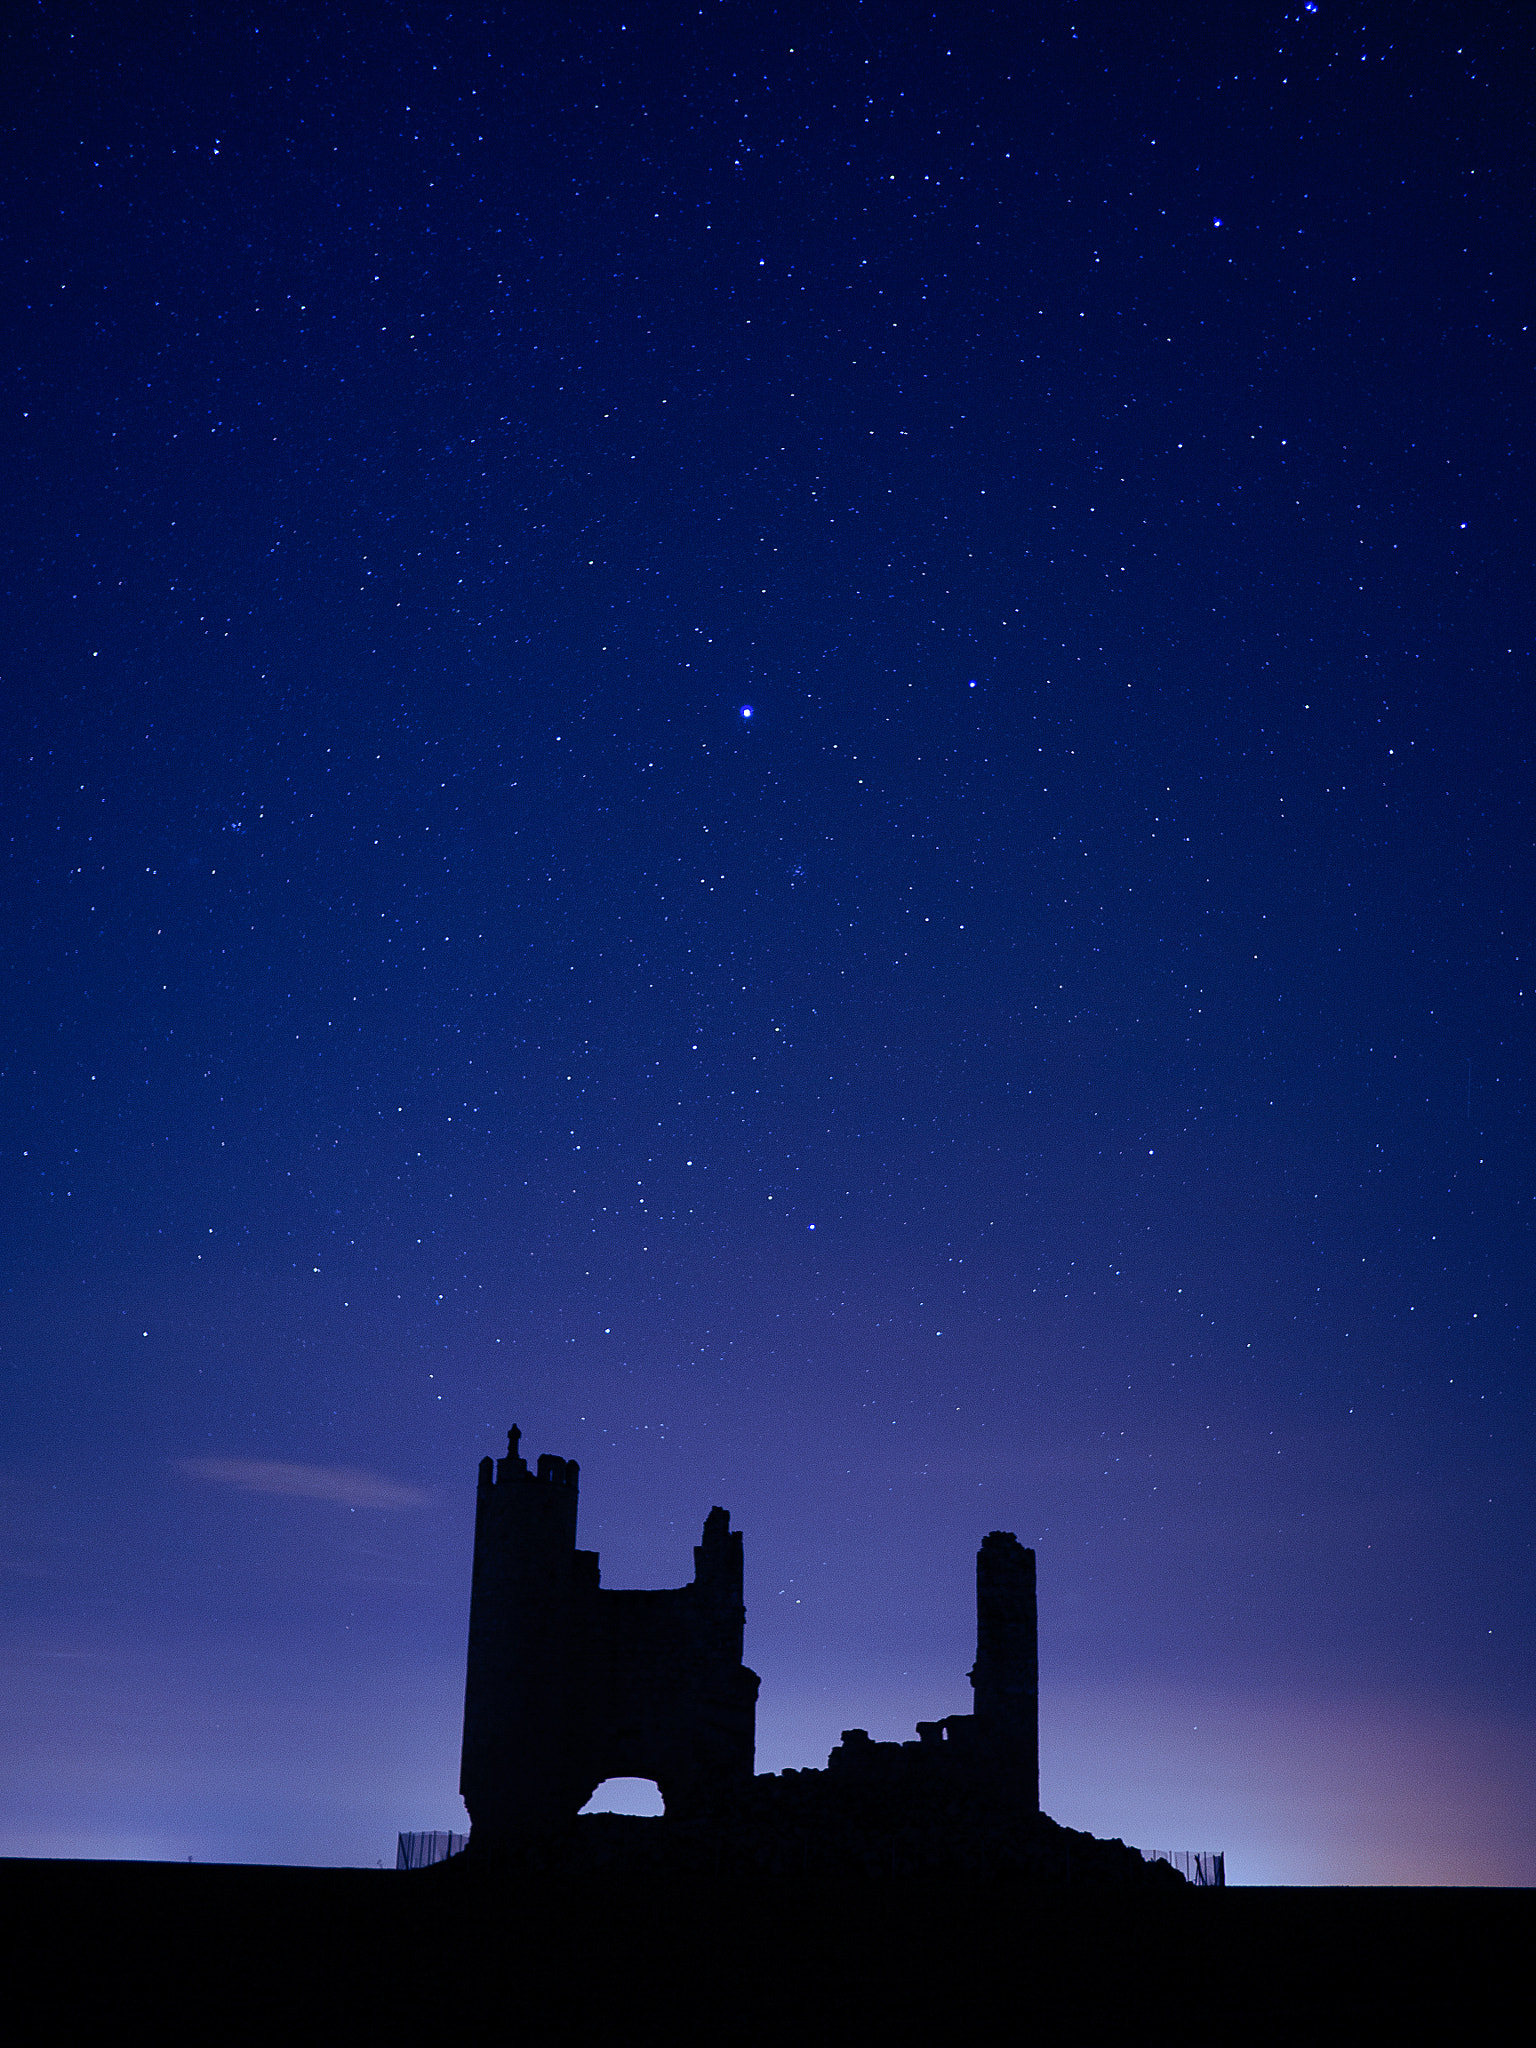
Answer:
(797, 743)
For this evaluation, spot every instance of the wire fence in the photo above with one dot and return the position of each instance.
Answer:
(417, 1851)
(1200, 1866)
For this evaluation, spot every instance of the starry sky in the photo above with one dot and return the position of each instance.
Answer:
(794, 742)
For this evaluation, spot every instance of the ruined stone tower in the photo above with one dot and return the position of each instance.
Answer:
(1006, 1674)
(570, 1683)
(992, 1755)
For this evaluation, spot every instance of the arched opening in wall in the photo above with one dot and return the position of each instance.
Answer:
(626, 1795)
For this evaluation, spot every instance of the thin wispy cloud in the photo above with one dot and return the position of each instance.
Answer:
(340, 1483)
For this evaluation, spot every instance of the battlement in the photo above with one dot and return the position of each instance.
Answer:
(514, 1467)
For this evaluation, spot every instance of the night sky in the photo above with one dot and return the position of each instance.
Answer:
(795, 743)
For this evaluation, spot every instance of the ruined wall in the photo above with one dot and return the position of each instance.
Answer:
(993, 1754)
(570, 1683)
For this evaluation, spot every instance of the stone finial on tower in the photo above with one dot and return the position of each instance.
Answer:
(513, 1465)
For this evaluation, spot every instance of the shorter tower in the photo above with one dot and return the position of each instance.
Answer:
(1006, 1674)
(992, 1755)
(570, 1683)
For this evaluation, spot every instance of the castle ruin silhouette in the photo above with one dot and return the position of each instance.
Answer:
(570, 1682)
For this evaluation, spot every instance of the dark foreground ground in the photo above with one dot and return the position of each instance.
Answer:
(227, 1953)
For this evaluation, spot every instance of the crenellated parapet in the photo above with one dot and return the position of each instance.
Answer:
(508, 1471)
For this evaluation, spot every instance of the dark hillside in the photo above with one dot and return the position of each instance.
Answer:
(237, 1953)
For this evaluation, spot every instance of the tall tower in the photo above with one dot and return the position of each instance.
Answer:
(517, 1703)
(1006, 1676)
